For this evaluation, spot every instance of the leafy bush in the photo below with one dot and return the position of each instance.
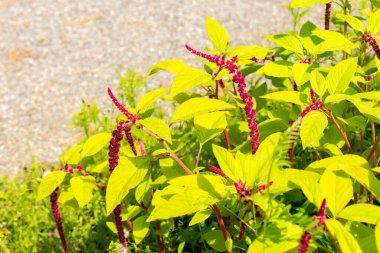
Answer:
(282, 162)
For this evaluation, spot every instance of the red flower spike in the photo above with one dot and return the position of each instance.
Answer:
(240, 81)
(327, 16)
(142, 148)
(368, 38)
(57, 218)
(218, 171)
(121, 108)
(312, 96)
(305, 241)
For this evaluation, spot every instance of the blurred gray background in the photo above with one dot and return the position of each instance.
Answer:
(54, 53)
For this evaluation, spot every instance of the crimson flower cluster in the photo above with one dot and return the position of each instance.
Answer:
(327, 16)
(306, 236)
(371, 40)
(241, 83)
(57, 218)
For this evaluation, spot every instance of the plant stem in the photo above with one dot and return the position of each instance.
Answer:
(199, 155)
(374, 144)
(342, 131)
(216, 210)
(227, 137)
(160, 240)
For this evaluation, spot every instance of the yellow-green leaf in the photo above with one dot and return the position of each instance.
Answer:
(150, 97)
(172, 65)
(312, 127)
(248, 52)
(301, 73)
(140, 228)
(49, 183)
(200, 217)
(371, 95)
(159, 127)
(303, 3)
(276, 69)
(373, 24)
(226, 162)
(127, 175)
(361, 212)
(209, 125)
(346, 240)
(215, 239)
(81, 188)
(340, 75)
(198, 106)
(73, 155)
(369, 109)
(294, 97)
(189, 78)
(337, 189)
(95, 143)
(288, 42)
(217, 34)
(317, 81)
(355, 23)
(377, 235)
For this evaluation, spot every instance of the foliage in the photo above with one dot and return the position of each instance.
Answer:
(287, 161)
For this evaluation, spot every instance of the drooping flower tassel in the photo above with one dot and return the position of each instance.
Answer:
(368, 38)
(327, 16)
(57, 218)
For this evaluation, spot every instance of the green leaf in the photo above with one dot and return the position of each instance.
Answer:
(333, 41)
(131, 212)
(337, 189)
(377, 235)
(158, 127)
(355, 23)
(226, 162)
(95, 143)
(303, 3)
(127, 175)
(150, 97)
(288, 42)
(172, 65)
(200, 216)
(372, 95)
(142, 192)
(312, 127)
(189, 78)
(301, 73)
(364, 177)
(369, 109)
(82, 187)
(347, 241)
(248, 52)
(101, 167)
(361, 212)
(363, 234)
(217, 35)
(72, 156)
(198, 106)
(317, 81)
(373, 24)
(276, 69)
(270, 126)
(340, 75)
(209, 125)
(49, 183)
(215, 239)
(319, 166)
(140, 228)
(294, 97)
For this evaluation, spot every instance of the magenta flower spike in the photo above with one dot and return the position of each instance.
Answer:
(57, 218)
(218, 171)
(368, 38)
(305, 241)
(128, 135)
(244, 95)
(121, 108)
(312, 96)
(322, 213)
(327, 16)
(142, 148)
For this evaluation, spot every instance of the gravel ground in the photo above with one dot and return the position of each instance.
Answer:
(54, 53)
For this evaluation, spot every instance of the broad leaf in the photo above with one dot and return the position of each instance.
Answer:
(150, 97)
(340, 75)
(318, 83)
(361, 212)
(217, 34)
(209, 125)
(369, 109)
(172, 65)
(288, 42)
(215, 240)
(301, 73)
(49, 183)
(355, 23)
(312, 127)
(73, 155)
(127, 175)
(373, 24)
(200, 217)
(81, 188)
(198, 106)
(347, 242)
(337, 189)
(372, 95)
(249, 52)
(158, 127)
(333, 41)
(294, 97)
(276, 69)
(303, 3)
(319, 166)
(95, 143)
(189, 78)
(377, 235)
(140, 228)
(226, 162)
